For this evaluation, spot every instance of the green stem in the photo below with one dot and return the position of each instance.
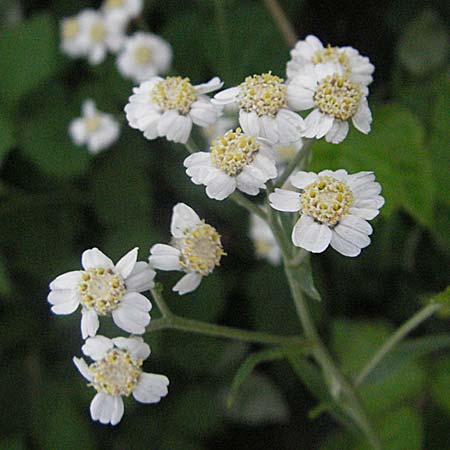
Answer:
(396, 337)
(191, 146)
(280, 18)
(159, 300)
(251, 207)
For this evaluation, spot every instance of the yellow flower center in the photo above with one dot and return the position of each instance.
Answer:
(117, 373)
(98, 32)
(143, 55)
(174, 93)
(327, 200)
(92, 123)
(265, 94)
(111, 4)
(233, 151)
(101, 290)
(331, 54)
(201, 249)
(70, 28)
(338, 96)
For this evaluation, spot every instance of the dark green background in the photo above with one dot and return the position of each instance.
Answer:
(56, 200)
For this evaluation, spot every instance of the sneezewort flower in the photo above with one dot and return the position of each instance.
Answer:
(143, 56)
(117, 372)
(169, 106)
(71, 36)
(123, 8)
(265, 244)
(95, 129)
(236, 161)
(356, 67)
(264, 109)
(103, 288)
(334, 98)
(334, 207)
(195, 249)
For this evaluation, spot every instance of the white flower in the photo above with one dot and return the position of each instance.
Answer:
(335, 207)
(95, 129)
(116, 372)
(236, 161)
(103, 288)
(221, 126)
(335, 100)
(264, 241)
(100, 34)
(73, 43)
(196, 249)
(356, 67)
(168, 107)
(143, 56)
(123, 8)
(264, 109)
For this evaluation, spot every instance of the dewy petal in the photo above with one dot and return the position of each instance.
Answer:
(284, 200)
(226, 96)
(165, 257)
(135, 345)
(188, 283)
(310, 235)
(102, 408)
(150, 388)
(301, 179)
(97, 347)
(68, 280)
(212, 85)
(183, 218)
(93, 258)
(89, 323)
(117, 414)
(126, 264)
(141, 278)
(83, 368)
(136, 300)
(131, 319)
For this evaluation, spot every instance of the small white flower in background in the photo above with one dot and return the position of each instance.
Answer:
(236, 161)
(123, 8)
(221, 126)
(169, 106)
(335, 100)
(116, 372)
(143, 56)
(95, 129)
(334, 207)
(195, 249)
(73, 43)
(264, 241)
(100, 34)
(264, 109)
(356, 67)
(103, 288)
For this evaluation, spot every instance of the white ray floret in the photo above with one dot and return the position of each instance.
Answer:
(117, 372)
(123, 8)
(236, 161)
(169, 106)
(95, 129)
(103, 288)
(264, 109)
(72, 41)
(264, 241)
(356, 67)
(334, 207)
(144, 55)
(196, 249)
(334, 98)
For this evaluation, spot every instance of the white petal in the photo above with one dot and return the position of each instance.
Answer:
(97, 347)
(204, 113)
(363, 117)
(93, 258)
(324, 125)
(135, 345)
(212, 85)
(221, 186)
(250, 180)
(310, 235)
(343, 246)
(340, 174)
(89, 323)
(102, 408)
(249, 122)
(338, 132)
(226, 96)
(126, 264)
(83, 368)
(312, 121)
(150, 388)
(62, 296)
(355, 228)
(117, 414)
(166, 122)
(136, 300)
(141, 278)
(302, 179)
(188, 283)
(183, 218)
(283, 200)
(65, 308)
(131, 319)
(299, 97)
(198, 159)
(290, 125)
(266, 165)
(67, 280)
(165, 257)
(359, 179)
(268, 128)
(180, 129)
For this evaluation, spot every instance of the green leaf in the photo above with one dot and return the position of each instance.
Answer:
(424, 45)
(6, 134)
(5, 282)
(247, 368)
(305, 274)
(29, 51)
(440, 382)
(395, 151)
(443, 297)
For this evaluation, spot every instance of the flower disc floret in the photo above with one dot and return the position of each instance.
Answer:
(327, 200)
(117, 373)
(201, 249)
(143, 55)
(98, 32)
(338, 97)
(265, 94)
(70, 28)
(233, 151)
(174, 93)
(101, 289)
(331, 54)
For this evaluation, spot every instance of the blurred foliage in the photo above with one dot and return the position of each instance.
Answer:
(56, 200)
